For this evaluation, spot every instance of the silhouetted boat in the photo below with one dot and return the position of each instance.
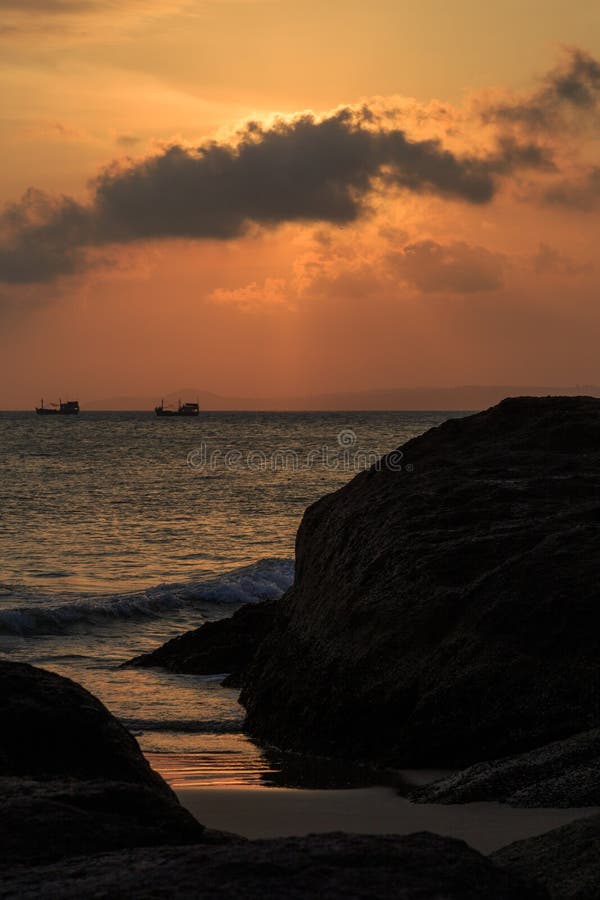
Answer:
(69, 408)
(183, 409)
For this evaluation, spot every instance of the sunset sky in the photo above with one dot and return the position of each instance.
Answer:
(285, 197)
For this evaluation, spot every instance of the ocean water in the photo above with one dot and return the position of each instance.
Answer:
(120, 530)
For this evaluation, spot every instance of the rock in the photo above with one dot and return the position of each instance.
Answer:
(566, 860)
(562, 774)
(225, 646)
(447, 612)
(335, 866)
(72, 778)
(43, 821)
(52, 727)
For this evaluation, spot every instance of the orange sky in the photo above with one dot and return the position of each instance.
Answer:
(419, 203)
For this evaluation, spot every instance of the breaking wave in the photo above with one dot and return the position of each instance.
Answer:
(263, 580)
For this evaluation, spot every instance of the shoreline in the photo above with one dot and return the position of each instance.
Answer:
(268, 812)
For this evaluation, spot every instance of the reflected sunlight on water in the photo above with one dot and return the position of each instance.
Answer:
(112, 542)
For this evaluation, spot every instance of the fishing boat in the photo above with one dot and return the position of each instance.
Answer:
(183, 409)
(68, 408)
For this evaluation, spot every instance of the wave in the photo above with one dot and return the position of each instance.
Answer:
(263, 580)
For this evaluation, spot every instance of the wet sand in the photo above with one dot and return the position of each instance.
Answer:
(277, 812)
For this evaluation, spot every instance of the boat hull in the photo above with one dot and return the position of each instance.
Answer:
(181, 413)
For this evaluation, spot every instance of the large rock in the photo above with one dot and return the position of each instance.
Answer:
(72, 778)
(222, 647)
(566, 860)
(447, 612)
(51, 727)
(46, 820)
(336, 866)
(562, 774)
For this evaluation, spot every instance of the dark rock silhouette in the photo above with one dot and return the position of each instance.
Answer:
(72, 778)
(75, 786)
(226, 646)
(562, 774)
(451, 613)
(335, 866)
(564, 860)
(53, 727)
(442, 614)
(43, 821)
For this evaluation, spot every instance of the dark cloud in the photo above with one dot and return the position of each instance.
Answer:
(581, 194)
(306, 169)
(457, 268)
(572, 87)
(42, 238)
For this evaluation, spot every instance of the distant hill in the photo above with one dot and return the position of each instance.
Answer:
(462, 397)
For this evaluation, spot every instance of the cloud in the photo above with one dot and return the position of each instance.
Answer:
(61, 21)
(41, 238)
(305, 169)
(253, 297)
(550, 261)
(128, 140)
(572, 88)
(582, 193)
(351, 268)
(49, 6)
(456, 267)
(28, 8)
(56, 130)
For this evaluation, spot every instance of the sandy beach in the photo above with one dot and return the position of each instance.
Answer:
(282, 812)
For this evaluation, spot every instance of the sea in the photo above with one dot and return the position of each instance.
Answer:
(120, 530)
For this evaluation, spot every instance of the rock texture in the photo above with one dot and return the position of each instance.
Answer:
(562, 774)
(337, 866)
(43, 821)
(72, 778)
(226, 646)
(566, 860)
(448, 614)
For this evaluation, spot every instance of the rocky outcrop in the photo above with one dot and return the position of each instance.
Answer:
(566, 860)
(336, 866)
(222, 647)
(447, 611)
(72, 778)
(562, 774)
(52, 727)
(75, 786)
(43, 821)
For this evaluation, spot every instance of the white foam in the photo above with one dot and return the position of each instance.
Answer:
(263, 580)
